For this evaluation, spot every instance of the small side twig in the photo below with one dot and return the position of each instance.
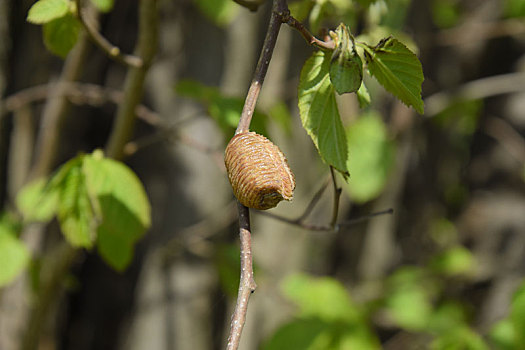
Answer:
(309, 37)
(111, 50)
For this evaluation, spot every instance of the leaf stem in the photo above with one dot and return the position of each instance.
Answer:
(111, 50)
(337, 196)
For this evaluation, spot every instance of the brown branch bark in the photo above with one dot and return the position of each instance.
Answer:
(247, 283)
(309, 37)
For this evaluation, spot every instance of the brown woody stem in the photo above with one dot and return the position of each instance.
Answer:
(247, 283)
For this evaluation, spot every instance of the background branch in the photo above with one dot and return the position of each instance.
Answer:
(133, 87)
(111, 50)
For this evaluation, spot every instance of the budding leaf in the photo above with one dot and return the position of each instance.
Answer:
(398, 69)
(346, 67)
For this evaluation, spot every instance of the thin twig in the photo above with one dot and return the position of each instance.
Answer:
(313, 202)
(247, 283)
(309, 37)
(475, 89)
(507, 136)
(279, 9)
(111, 50)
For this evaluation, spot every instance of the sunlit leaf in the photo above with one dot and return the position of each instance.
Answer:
(123, 205)
(323, 298)
(38, 201)
(504, 335)
(303, 334)
(455, 261)
(75, 212)
(44, 11)
(363, 97)
(517, 315)
(319, 112)
(398, 69)
(14, 256)
(61, 34)
(460, 338)
(371, 157)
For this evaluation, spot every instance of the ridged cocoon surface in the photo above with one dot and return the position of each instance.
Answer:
(258, 171)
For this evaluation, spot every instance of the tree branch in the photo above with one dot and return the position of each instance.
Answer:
(279, 10)
(111, 50)
(133, 87)
(247, 283)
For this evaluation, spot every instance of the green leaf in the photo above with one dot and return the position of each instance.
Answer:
(61, 34)
(503, 334)
(319, 112)
(38, 201)
(398, 69)
(453, 262)
(371, 157)
(323, 298)
(446, 317)
(14, 256)
(75, 211)
(408, 302)
(103, 5)
(220, 12)
(44, 11)
(228, 266)
(226, 110)
(363, 97)
(346, 67)
(517, 315)
(462, 338)
(123, 206)
(303, 334)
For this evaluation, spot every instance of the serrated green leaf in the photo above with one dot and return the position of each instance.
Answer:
(38, 201)
(123, 206)
(61, 34)
(44, 11)
(371, 157)
(14, 255)
(103, 5)
(323, 298)
(346, 67)
(75, 211)
(398, 69)
(220, 12)
(319, 112)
